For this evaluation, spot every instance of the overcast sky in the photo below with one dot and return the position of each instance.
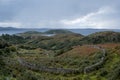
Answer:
(60, 13)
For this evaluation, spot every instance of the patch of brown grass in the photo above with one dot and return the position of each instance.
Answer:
(81, 51)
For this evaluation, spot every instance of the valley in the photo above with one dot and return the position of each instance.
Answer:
(63, 56)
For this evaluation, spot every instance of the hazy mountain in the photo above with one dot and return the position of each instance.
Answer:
(12, 30)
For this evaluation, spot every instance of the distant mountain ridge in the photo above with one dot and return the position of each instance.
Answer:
(7, 28)
(46, 33)
(58, 31)
(87, 31)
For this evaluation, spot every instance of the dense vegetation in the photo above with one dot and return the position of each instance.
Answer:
(67, 56)
(58, 31)
(102, 37)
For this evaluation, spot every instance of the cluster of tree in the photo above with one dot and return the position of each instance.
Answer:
(13, 39)
(6, 50)
(3, 44)
(102, 37)
(115, 73)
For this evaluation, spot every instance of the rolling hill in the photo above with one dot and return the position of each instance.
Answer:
(58, 31)
(68, 56)
(102, 37)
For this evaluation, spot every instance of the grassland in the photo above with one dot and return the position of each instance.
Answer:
(64, 56)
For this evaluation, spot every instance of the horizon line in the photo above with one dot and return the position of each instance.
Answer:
(60, 28)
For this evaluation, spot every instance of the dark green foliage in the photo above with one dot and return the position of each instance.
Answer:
(26, 47)
(102, 37)
(58, 31)
(3, 44)
(115, 74)
(103, 72)
(28, 76)
(31, 32)
(6, 50)
(56, 43)
(13, 39)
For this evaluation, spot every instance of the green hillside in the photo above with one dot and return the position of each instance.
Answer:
(60, 57)
(58, 31)
(102, 37)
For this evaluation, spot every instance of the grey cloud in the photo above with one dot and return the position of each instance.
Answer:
(33, 12)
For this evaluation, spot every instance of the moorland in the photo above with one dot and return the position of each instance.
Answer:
(60, 55)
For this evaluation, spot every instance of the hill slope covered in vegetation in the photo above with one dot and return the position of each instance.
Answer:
(67, 56)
